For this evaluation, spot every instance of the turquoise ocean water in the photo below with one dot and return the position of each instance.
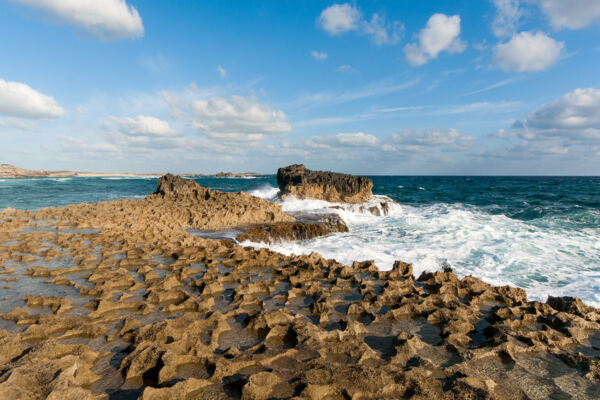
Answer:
(538, 233)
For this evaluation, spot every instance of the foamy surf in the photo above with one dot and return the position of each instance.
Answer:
(544, 256)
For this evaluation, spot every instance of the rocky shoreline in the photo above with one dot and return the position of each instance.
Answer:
(115, 300)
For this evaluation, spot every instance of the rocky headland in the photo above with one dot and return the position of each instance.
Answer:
(334, 187)
(116, 300)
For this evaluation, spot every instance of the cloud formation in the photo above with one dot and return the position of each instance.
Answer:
(423, 140)
(319, 55)
(571, 14)
(441, 33)
(575, 116)
(141, 125)
(237, 119)
(19, 100)
(222, 71)
(341, 18)
(106, 19)
(527, 52)
(507, 19)
(381, 31)
(358, 139)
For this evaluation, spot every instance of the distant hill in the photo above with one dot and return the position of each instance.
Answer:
(10, 171)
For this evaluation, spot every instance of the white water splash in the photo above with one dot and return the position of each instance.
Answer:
(545, 257)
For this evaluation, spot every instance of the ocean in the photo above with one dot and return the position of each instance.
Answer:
(538, 233)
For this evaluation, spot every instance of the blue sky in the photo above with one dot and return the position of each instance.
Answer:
(373, 87)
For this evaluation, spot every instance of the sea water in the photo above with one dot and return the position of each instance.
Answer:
(538, 233)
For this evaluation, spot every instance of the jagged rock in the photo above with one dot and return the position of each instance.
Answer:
(193, 206)
(188, 317)
(334, 187)
(309, 228)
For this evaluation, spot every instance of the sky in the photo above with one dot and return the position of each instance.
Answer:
(430, 87)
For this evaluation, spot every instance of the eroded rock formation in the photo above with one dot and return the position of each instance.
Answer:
(307, 227)
(190, 205)
(139, 308)
(297, 180)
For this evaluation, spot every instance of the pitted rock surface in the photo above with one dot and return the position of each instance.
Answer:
(139, 308)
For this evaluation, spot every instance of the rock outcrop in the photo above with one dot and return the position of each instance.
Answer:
(307, 227)
(10, 171)
(193, 206)
(142, 309)
(334, 187)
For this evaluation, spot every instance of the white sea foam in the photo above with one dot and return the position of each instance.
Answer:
(266, 192)
(545, 258)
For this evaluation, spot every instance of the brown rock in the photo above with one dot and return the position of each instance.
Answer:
(334, 187)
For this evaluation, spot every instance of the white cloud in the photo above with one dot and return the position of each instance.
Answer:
(358, 139)
(141, 125)
(441, 33)
(344, 68)
(70, 143)
(319, 55)
(575, 116)
(568, 127)
(339, 18)
(15, 123)
(382, 32)
(106, 19)
(422, 140)
(571, 14)
(222, 71)
(507, 19)
(19, 100)
(342, 18)
(527, 51)
(237, 119)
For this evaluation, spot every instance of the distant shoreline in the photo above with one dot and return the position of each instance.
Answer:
(8, 171)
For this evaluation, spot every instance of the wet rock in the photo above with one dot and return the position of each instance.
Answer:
(312, 227)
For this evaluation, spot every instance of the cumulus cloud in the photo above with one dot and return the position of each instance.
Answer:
(571, 14)
(341, 18)
(20, 100)
(106, 19)
(421, 140)
(507, 19)
(575, 116)
(319, 55)
(441, 33)
(237, 119)
(528, 51)
(222, 71)
(358, 139)
(141, 125)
